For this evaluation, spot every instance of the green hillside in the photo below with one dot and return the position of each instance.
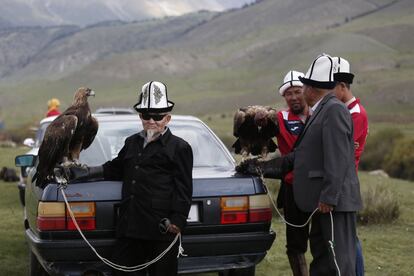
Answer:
(216, 63)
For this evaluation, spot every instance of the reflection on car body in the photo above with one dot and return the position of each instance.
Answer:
(228, 224)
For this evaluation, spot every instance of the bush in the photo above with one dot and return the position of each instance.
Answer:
(378, 147)
(380, 205)
(400, 162)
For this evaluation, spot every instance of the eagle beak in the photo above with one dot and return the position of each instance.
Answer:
(91, 93)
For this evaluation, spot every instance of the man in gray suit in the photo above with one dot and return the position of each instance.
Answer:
(325, 176)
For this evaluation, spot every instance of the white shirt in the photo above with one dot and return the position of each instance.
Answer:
(315, 106)
(350, 101)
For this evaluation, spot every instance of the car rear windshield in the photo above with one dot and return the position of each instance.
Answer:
(207, 150)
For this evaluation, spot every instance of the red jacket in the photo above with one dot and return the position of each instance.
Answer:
(52, 112)
(290, 127)
(360, 120)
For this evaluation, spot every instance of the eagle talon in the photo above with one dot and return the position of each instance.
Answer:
(61, 177)
(67, 163)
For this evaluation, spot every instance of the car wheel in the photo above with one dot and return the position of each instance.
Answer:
(248, 271)
(35, 268)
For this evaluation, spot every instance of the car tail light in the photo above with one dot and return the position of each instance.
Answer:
(234, 209)
(84, 213)
(259, 208)
(53, 216)
(245, 209)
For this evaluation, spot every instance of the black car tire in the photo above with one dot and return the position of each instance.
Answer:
(248, 271)
(35, 268)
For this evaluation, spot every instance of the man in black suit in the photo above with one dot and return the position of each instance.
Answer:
(325, 176)
(155, 167)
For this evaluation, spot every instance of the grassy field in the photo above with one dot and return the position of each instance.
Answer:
(13, 252)
(387, 248)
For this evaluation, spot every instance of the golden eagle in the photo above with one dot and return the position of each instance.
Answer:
(64, 139)
(255, 126)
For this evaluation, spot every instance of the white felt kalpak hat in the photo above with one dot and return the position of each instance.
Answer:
(154, 98)
(342, 70)
(291, 79)
(320, 73)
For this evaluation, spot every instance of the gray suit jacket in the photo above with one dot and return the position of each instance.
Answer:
(324, 164)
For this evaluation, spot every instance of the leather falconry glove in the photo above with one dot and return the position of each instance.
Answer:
(83, 172)
(249, 166)
(275, 168)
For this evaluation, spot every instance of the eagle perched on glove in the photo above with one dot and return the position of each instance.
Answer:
(255, 126)
(71, 132)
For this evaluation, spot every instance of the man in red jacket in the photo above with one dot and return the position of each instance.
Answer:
(343, 79)
(291, 123)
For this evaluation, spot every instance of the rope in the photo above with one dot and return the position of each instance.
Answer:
(331, 242)
(108, 262)
(283, 218)
(277, 210)
(63, 185)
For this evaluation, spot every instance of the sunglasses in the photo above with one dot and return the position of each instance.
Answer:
(155, 117)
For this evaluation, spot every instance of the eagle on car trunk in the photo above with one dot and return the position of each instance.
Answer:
(71, 132)
(255, 126)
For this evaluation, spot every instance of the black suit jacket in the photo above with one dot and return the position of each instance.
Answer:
(157, 183)
(324, 163)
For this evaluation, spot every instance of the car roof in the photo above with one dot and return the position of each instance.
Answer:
(126, 117)
(116, 110)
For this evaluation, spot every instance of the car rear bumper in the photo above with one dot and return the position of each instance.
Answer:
(185, 265)
(210, 252)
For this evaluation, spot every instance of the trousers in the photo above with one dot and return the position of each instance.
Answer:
(296, 238)
(131, 252)
(345, 242)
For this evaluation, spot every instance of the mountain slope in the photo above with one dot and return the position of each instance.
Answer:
(20, 46)
(226, 39)
(60, 54)
(82, 13)
(216, 63)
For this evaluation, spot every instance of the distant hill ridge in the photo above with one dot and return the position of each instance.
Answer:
(83, 13)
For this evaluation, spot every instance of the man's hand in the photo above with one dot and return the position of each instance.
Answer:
(75, 172)
(172, 228)
(275, 168)
(249, 166)
(325, 208)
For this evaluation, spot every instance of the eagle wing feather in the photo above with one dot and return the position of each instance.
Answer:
(254, 126)
(92, 127)
(55, 145)
(239, 119)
